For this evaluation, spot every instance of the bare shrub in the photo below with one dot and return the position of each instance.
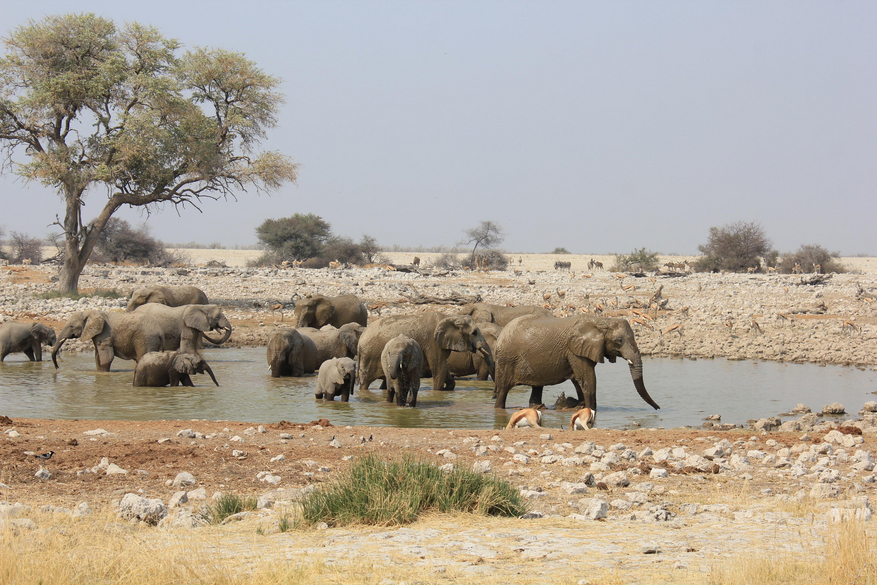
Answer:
(447, 261)
(808, 257)
(25, 249)
(637, 261)
(486, 259)
(119, 242)
(735, 247)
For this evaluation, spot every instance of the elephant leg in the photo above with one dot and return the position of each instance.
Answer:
(579, 393)
(186, 380)
(103, 356)
(391, 393)
(346, 390)
(536, 396)
(450, 383)
(29, 352)
(412, 401)
(588, 383)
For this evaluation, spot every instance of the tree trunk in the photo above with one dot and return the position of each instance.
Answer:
(79, 239)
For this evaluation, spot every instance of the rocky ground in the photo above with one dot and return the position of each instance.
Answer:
(636, 504)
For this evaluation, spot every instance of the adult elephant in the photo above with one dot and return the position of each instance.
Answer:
(129, 336)
(317, 311)
(501, 315)
(437, 335)
(170, 296)
(170, 368)
(542, 352)
(334, 342)
(184, 327)
(288, 353)
(27, 338)
(463, 363)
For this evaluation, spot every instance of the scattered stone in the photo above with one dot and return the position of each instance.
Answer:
(150, 511)
(184, 478)
(833, 408)
(42, 474)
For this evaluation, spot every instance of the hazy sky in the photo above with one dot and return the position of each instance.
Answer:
(600, 127)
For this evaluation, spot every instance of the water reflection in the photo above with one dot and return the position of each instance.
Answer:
(687, 391)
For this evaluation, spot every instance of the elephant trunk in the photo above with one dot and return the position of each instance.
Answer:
(636, 372)
(224, 338)
(488, 359)
(396, 365)
(210, 371)
(55, 349)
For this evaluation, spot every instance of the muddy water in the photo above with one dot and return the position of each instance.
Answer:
(687, 391)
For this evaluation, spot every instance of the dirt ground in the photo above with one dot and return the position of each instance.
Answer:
(152, 453)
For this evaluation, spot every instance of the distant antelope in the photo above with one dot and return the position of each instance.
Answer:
(520, 260)
(416, 261)
(729, 323)
(296, 263)
(817, 268)
(677, 328)
(598, 309)
(755, 327)
(546, 297)
(652, 280)
(771, 269)
(630, 287)
(684, 310)
(587, 276)
(796, 269)
(594, 264)
(619, 276)
(560, 293)
(751, 270)
(850, 327)
(335, 265)
(783, 317)
(278, 307)
(641, 322)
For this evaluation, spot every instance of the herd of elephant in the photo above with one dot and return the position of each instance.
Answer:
(162, 329)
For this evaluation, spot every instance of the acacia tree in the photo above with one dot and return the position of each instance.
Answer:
(487, 235)
(298, 237)
(95, 106)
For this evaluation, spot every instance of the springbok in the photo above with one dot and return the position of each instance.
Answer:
(582, 420)
(677, 328)
(849, 327)
(527, 417)
(755, 328)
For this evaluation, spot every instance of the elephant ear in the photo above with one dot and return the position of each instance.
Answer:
(589, 344)
(39, 331)
(185, 363)
(196, 318)
(350, 338)
(156, 296)
(449, 333)
(95, 324)
(335, 373)
(482, 314)
(324, 312)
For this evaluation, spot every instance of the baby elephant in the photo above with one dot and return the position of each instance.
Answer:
(336, 377)
(28, 338)
(170, 368)
(402, 362)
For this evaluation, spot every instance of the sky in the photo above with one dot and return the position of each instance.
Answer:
(600, 127)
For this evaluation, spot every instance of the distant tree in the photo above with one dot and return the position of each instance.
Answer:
(299, 237)
(488, 259)
(447, 261)
(119, 242)
(93, 105)
(487, 234)
(638, 261)
(808, 256)
(734, 247)
(370, 250)
(24, 248)
(343, 249)
(3, 255)
(560, 251)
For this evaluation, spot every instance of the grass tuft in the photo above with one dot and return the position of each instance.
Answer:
(227, 505)
(388, 493)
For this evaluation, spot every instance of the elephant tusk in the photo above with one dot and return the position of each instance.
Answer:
(629, 362)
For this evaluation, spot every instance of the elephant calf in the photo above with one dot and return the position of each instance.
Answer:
(170, 369)
(402, 362)
(27, 338)
(336, 377)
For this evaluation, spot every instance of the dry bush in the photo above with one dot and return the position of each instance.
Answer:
(735, 247)
(808, 256)
(26, 248)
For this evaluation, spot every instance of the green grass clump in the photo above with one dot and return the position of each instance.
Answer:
(227, 505)
(388, 493)
(106, 294)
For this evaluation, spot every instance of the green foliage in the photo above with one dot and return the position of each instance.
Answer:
(294, 238)
(343, 249)
(637, 261)
(227, 505)
(371, 252)
(809, 255)
(148, 124)
(735, 247)
(560, 251)
(389, 493)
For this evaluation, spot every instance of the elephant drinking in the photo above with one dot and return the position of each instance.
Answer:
(540, 352)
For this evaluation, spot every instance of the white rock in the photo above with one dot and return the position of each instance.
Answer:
(482, 466)
(96, 433)
(113, 469)
(658, 473)
(184, 478)
(149, 511)
(42, 474)
(280, 457)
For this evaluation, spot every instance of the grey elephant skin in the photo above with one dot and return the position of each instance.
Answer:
(540, 352)
(185, 327)
(170, 368)
(317, 311)
(336, 378)
(333, 342)
(464, 363)
(171, 296)
(402, 362)
(27, 338)
(501, 315)
(290, 354)
(437, 335)
(128, 336)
